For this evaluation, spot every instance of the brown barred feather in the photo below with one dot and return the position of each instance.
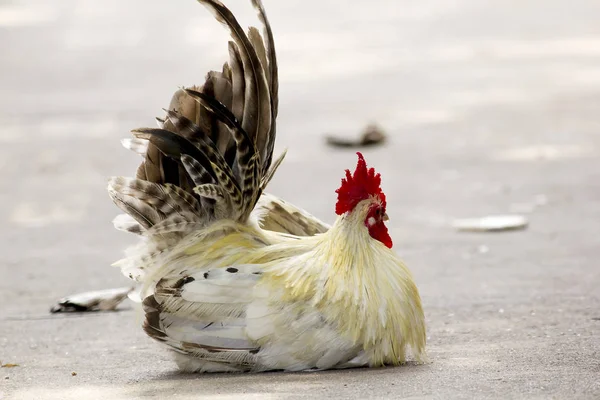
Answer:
(238, 82)
(218, 135)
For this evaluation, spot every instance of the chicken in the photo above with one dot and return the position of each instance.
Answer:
(234, 279)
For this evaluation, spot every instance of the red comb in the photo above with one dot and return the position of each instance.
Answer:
(355, 188)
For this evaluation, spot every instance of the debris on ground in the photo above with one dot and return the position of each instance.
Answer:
(73, 373)
(372, 135)
(8, 365)
(100, 300)
(492, 223)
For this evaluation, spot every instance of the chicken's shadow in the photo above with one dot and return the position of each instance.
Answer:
(278, 384)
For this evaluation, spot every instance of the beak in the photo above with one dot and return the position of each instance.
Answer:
(385, 217)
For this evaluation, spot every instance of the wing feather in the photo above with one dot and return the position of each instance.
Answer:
(277, 215)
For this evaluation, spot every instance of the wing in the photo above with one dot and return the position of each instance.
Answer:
(221, 319)
(277, 215)
(211, 155)
(201, 316)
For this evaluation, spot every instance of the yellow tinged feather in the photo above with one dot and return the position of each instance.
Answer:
(358, 283)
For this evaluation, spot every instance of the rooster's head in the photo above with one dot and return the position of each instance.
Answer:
(360, 196)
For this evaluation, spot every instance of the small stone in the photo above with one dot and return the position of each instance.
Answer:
(73, 373)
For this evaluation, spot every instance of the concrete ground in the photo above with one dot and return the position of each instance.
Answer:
(491, 107)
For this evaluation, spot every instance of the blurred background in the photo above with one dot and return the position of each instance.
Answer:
(489, 107)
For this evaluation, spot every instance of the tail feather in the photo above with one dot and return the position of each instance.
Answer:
(210, 191)
(218, 86)
(233, 195)
(272, 76)
(176, 224)
(272, 79)
(126, 223)
(166, 199)
(196, 171)
(138, 146)
(245, 166)
(153, 166)
(259, 46)
(245, 146)
(175, 146)
(188, 129)
(238, 82)
(257, 108)
(144, 214)
(271, 171)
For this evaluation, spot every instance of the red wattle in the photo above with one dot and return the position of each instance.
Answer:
(379, 232)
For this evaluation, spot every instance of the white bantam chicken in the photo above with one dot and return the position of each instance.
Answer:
(233, 279)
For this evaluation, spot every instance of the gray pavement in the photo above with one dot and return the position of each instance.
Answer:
(491, 107)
